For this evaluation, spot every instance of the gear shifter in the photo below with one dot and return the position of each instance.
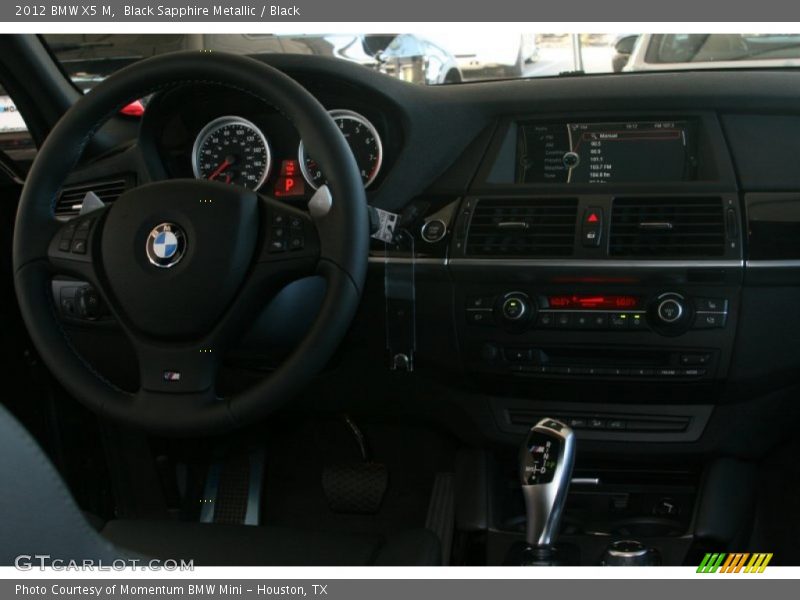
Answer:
(545, 470)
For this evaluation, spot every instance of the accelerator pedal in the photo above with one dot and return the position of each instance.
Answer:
(357, 487)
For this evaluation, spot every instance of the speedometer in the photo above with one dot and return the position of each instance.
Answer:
(364, 141)
(232, 150)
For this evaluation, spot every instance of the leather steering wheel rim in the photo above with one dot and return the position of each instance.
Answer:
(339, 253)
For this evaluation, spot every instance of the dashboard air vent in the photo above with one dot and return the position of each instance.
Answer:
(667, 228)
(523, 227)
(71, 198)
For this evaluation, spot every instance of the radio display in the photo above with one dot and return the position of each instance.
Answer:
(613, 152)
(593, 302)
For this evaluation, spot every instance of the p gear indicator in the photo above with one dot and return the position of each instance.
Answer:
(290, 183)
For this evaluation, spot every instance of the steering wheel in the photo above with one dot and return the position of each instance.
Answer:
(186, 265)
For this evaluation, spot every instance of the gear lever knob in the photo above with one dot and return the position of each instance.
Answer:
(545, 470)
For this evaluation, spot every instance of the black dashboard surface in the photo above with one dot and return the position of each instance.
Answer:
(440, 133)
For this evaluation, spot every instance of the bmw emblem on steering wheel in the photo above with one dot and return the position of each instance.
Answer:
(166, 245)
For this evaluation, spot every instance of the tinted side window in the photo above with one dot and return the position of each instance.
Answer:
(14, 137)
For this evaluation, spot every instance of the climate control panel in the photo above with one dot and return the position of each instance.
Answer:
(667, 313)
(643, 332)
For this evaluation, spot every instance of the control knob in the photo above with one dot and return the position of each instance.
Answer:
(515, 310)
(669, 313)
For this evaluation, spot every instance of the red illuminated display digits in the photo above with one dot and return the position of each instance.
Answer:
(593, 302)
(289, 184)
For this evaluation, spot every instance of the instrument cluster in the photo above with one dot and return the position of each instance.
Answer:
(232, 138)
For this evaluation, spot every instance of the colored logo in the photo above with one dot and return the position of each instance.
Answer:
(166, 245)
(739, 562)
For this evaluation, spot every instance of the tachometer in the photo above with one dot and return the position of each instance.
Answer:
(364, 141)
(232, 150)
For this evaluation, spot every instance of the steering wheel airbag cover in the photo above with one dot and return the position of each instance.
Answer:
(217, 225)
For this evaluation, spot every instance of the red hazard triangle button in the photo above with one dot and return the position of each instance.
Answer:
(592, 228)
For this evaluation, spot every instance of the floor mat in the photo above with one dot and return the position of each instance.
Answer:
(298, 453)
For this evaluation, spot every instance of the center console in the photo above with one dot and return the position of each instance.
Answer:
(593, 272)
(609, 271)
(597, 269)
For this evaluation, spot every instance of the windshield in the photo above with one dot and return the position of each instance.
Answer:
(449, 56)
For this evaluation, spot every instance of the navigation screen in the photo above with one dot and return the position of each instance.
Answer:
(624, 152)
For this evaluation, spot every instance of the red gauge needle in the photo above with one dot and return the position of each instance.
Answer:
(225, 164)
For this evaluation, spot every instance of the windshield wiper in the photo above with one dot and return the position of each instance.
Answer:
(577, 73)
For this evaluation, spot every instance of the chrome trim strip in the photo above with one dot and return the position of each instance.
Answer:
(577, 263)
(255, 486)
(210, 490)
(789, 263)
(638, 553)
(394, 260)
(597, 264)
(585, 481)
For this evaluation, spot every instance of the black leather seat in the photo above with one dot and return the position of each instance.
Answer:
(39, 516)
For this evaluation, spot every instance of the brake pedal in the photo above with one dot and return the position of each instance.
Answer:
(356, 488)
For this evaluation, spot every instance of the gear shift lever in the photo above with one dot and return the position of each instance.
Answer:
(545, 470)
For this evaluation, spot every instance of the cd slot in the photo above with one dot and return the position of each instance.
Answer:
(606, 357)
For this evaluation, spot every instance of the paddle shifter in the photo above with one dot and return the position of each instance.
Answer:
(545, 469)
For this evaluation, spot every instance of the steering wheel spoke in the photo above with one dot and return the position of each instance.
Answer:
(178, 368)
(289, 233)
(74, 248)
(290, 248)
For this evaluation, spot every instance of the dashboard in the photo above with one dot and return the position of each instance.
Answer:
(595, 248)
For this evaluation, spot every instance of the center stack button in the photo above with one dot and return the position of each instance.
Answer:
(515, 311)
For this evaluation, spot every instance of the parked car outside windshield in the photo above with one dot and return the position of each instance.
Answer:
(693, 51)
